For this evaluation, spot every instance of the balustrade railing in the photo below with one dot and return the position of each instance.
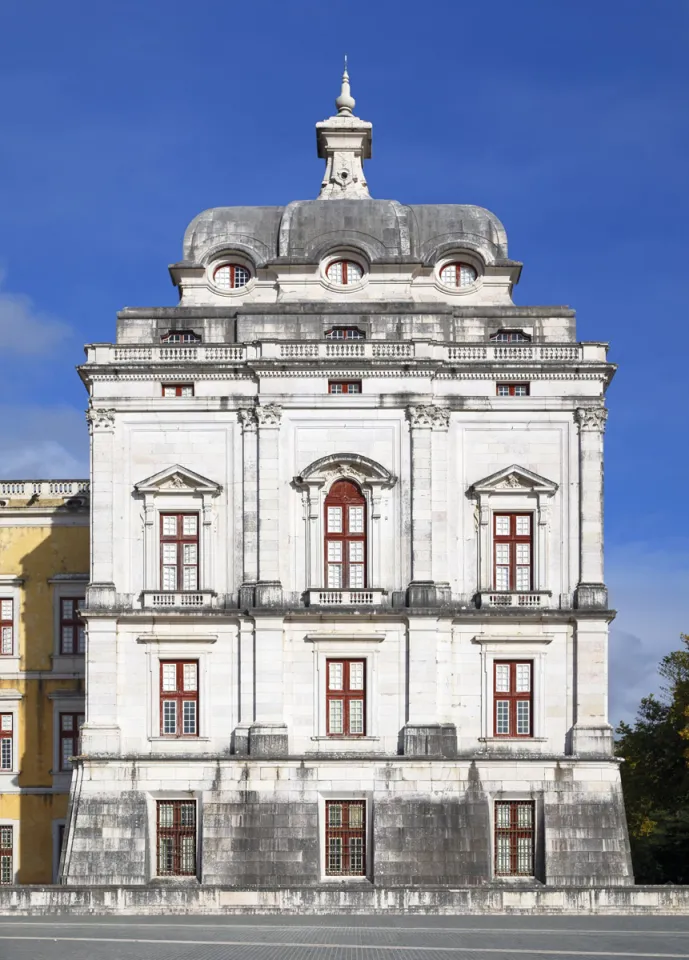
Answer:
(44, 488)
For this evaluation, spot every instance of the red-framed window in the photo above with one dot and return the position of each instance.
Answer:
(344, 386)
(344, 272)
(345, 537)
(72, 630)
(458, 275)
(512, 389)
(180, 336)
(179, 698)
(513, 551)
(6, 855)
(179, 551)
(178, 389)
(514, 838)
(510, 336)
(513, 698)
(345, 695)
(345, 838)
(6, 741)
(70, 731)
(345, 333)
(176, 840)
(231, 276)
(6, 627)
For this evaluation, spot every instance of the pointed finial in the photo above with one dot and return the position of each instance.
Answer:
(345, 102)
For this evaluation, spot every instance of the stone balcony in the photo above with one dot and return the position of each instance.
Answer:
(50, 489)
(531, 600)
(192, 600)
(346, 598)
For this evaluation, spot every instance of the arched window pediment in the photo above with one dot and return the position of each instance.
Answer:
(361, 470)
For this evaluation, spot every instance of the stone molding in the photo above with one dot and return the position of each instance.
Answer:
(429, 417)
(591, 419)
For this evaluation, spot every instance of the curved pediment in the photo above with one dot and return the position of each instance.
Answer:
(346, 465)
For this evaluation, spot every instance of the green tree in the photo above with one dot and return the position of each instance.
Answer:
(655, 776)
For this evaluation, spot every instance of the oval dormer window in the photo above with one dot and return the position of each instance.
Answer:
(231, 276)
(344, 272)
(458, 275)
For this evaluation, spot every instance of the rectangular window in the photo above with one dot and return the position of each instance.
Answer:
(6, 742)
(513, 698)
(6, 627)
(344, 386)
(346, 698)
(179, 551)
(70, 728)
(513, 551)
(178, 389)
(512, 389)
(176, 822)
(514, 838)
(179, 698)
(345, 838)
(72, 631)
(6, 855)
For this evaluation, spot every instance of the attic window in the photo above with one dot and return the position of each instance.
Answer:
(231, 276)
(180, 336)
(458, 275)
(345, 333)
(344, 272)
(510, 336)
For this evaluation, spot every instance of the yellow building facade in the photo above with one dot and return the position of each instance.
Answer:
(44, 564)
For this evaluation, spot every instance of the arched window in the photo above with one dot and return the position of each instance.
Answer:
(345, 537)
(180, 336)
(344, 272)
(510, 336)
(231, 276)
(458, 275)
(345, 333)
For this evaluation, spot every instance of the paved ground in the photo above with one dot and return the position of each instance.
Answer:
(343, 938)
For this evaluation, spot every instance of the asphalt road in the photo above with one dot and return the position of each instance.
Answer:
(343, 938)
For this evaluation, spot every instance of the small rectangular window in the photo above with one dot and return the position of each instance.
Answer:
(513, 551)
(178, 389)
(512, 389)
(179, 698)
(345, 838)
(6, 741)
(179, 551)
(6, 627)
(176, 823)
(514, 838)
(513, 698)
(70, 729)
(346, 698)
(72, 630)
(344, 386)
(6, 855)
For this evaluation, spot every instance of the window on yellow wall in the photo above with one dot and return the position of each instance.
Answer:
(6, 741)
(6, 627)
(6, 855)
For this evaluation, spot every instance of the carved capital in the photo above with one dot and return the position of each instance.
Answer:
(591, 418)
(248, 420)
(428, 417)
(100, 419)
(269, 415)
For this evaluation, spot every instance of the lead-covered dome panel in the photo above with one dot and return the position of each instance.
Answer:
(253, 230)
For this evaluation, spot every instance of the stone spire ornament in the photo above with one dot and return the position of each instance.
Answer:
(344, 142)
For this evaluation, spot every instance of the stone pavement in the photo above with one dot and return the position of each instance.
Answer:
(347, 938)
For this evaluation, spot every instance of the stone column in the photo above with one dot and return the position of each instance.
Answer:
(439, 496)
(591, 591)
(246, 684)
(247, 419)
(424, 735)
(268, 734)
(592, 734)
(268, 588)
(102, 431)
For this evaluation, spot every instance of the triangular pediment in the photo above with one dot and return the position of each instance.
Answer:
(177, 479)
(514, 479)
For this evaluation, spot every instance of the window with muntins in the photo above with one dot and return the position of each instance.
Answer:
(179, 551)
(346, 698)
(513, 551)
(344, 272)
(72, 630)
(6, 741)
(345, 838)
(510, 336)
(179, 698)
(178, 389)
(344, 386)
(6, 855)
(345, 537)
(458, 275)
(6, 627)
(231, 276)
(176, 830)
(514, 838)
(512, 389)
(513, 698)
(70, 730)
(345, 333)
(180, 336)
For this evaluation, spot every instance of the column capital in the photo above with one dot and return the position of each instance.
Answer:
(248, 420)
(428, 417)
(269, 415)
(100, 419)
(591, 419)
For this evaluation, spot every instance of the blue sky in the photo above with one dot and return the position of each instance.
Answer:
(121, 121)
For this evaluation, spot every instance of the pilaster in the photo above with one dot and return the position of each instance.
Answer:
(249, 423)
(592, 734)
(591, 591)
(268, 732)
(269, 587)
(101, 423)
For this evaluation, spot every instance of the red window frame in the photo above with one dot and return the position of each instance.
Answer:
(345, 272)
(338, 387)
(233, 267)
(6, 626)
(180, 336)
(510, 336)
(343, 495)
(512, 389)
(345, 838)
(175, 704)
(178, 388)
(180, 540)
(6, 741)
(512, 541)
(72, 630)
(508, 716)
(345, 333)
(70, 733)
(6, 854)
(176, 838)
(458, 264)
(515, 838)
(352, 722)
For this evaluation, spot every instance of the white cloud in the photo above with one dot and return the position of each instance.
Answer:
(24, 329)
